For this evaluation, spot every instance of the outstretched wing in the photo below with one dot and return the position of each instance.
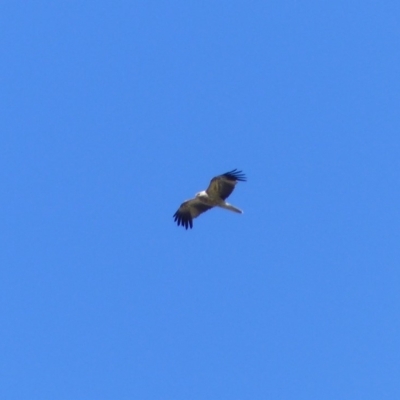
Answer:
(222, 186)
(188, 210)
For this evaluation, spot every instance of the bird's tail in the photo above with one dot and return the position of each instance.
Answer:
(230, 207)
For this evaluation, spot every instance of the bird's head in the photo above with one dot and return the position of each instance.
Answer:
(201, 194)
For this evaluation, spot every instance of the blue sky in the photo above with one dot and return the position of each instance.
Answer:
(113, 113)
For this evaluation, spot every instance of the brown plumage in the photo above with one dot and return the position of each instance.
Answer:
(219, 189)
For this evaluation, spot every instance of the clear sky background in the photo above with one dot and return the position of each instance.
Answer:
(113, 113)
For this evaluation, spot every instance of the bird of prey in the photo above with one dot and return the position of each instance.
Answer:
(218, 190)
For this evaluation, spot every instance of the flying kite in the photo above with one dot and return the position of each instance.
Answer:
(218, 190)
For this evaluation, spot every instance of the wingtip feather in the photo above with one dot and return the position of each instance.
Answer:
(236, 175)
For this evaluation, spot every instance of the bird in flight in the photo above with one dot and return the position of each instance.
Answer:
(218, 190)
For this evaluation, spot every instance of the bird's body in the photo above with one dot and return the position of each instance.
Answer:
(218, 190)
(216, 202)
